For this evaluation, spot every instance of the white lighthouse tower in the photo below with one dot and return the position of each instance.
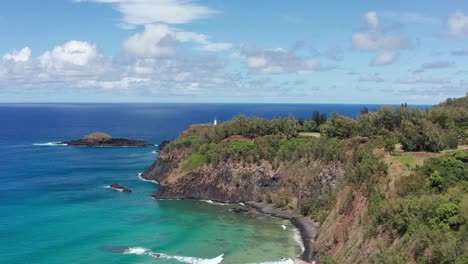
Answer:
(215, 122)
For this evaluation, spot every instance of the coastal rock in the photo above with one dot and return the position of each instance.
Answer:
(120, 188)
(239, 210)
(99, 139)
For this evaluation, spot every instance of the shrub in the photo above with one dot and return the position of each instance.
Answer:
(194, 161)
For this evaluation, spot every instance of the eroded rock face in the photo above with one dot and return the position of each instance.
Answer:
(236, 181)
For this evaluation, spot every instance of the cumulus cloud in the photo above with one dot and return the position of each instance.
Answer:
(142, 12)
(371, 77)
(384, 58)
(74, 52)
(18, 56)
(374, 38)
(277, 60)
(457, 25)
(160, 40)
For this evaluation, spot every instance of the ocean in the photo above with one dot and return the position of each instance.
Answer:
(56, 207)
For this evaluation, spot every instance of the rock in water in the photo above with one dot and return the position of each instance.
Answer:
(238, 210)
(120, 188)
(100, 139)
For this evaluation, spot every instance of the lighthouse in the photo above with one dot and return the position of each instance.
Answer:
(215, 122)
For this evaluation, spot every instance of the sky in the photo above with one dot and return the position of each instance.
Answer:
(335, 51)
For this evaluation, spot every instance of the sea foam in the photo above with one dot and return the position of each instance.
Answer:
(216, 203)
(283, 261)
(190, 260)
(136, 250)
(143, 179)
(50, 144)
(298, 239)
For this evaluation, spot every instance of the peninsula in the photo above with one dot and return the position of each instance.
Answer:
(388, 186)
(100, 139)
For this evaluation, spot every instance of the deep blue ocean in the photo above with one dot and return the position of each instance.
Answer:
(55, 207)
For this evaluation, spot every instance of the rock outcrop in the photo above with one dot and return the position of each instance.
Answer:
(120, 188)
(99, 139)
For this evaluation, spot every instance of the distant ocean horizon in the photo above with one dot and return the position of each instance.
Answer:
(56, 206)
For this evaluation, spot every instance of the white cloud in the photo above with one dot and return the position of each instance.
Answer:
(371, 19)
(142, 12)
(155, 41)
(124, 83)
(79, 53)
(378, 41)
(457, 25)
(160, 40)
(216, 46)
(256, 62)
(374, 38)
(384, 58)
(18, 56)
(277, 60)
(371, 77)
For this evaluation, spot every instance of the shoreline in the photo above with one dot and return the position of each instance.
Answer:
(306, 227)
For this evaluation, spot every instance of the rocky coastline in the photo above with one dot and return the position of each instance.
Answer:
(237, 182)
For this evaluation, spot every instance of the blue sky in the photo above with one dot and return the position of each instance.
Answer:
(233, 51)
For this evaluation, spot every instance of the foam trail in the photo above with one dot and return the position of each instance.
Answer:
(50, 144)
(136, 250)
(143, 179)
(242, 204)
(282, 261)
(298, 239)
(284, 227)
(189, 260)
(211, 202)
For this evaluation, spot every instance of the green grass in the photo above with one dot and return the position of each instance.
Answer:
(309, 134)
(408, 160)
(194, 161)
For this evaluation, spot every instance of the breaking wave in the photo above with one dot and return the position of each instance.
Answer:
(50, 144)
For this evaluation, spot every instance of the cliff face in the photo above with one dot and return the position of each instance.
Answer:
(238, 181)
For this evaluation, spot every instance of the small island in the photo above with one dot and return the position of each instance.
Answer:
(120, 188)
(100, 139)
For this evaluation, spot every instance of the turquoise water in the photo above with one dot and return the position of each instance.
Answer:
(55, 207)
(62, 212)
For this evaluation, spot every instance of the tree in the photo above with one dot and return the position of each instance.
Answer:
(364, 110)
(319, 118)
(339, 126)
(300, 120)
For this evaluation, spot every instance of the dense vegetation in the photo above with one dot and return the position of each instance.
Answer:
(429, 215)
(423, 220)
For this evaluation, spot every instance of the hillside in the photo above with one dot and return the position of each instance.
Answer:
(387, 187)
